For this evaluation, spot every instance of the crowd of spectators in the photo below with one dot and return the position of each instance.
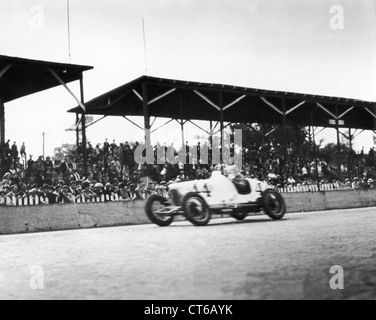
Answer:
(113, 174)
(355, 170)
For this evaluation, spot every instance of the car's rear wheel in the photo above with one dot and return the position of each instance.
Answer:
(154, 207)
(274, 204)
(196, 210)
(239, 216)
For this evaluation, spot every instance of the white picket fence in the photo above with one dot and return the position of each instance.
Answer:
(310, 188)
(103, 198)
(38, 200)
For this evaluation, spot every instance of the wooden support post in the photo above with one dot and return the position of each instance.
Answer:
(298, 146)
(211, 135)
(2, 125)
(77, 130)
(264, 134)
(315, 152)
(83, 124)
(211, 139)
(182, 126)
(338, 143)
(2, 114)
(350, 160)
(285, 132)
(221, 122)
(351, 139)
(146, 114)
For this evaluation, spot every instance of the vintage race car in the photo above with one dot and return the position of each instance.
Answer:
(198, 200)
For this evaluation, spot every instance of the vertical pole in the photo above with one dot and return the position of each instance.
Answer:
(314, 152)
(145, 106)
(222, 122)
(350, 163)
(211, 135)
(338, 143)
(298, 150)
(182, 134)
(2, 128)
(285, 132)
(83, 124)
(44, 141)
(298, 128)
(146, 117)
(211, 143)
(263, 134)
(350, 140)
(77, 130)
(182, 126)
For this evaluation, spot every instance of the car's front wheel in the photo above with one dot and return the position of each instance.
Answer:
(196, 210)
(154, 207)
(274, 204)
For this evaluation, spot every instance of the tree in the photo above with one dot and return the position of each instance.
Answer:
(254, 136)
(66, 150)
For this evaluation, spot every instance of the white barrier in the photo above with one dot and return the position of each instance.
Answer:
(311, 188)
(36, 200)
(102, 198)
(40, 200)
(21, 219)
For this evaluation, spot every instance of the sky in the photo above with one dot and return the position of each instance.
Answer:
(287, 45)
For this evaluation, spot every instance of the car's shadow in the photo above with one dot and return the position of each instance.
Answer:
(219, 223)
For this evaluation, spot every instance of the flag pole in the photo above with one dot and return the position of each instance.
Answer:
(145, 49)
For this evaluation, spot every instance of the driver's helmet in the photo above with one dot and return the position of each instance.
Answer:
(239, 177)
(232, 171)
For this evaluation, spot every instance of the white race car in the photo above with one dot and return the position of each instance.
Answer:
(198, 200)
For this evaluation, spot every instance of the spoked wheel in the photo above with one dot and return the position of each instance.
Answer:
(154, 208)
(239, 216)
(274, 204)
(196, 209)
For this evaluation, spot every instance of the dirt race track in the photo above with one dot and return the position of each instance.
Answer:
(253, 259)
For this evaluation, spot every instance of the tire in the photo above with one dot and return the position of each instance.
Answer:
(274, 204)
(196, 210)
(158, 219)
(240, 216)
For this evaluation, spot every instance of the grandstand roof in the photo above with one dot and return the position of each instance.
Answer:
(177, 99)
(22, 77)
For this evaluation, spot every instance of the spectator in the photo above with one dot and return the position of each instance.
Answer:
(48, 163)
(14, 151)
(14, 192)
(114, 148)
(23, 192)
(98, 189)
(65, 196)
(122, 193)
(43, 195)
(106, 148)
(73, 189)
(141, 191)
(133, 193)
(87, 193)
(30, 162)
(51, 195)
(356, 183)
(291, 181)
(108, 194)
(7, 149)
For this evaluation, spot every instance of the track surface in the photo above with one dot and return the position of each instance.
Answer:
(254, 259)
